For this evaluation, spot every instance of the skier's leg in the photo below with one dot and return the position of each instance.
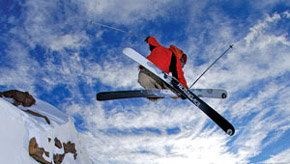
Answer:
(149, 81)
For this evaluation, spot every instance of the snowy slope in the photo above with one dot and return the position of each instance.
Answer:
(18, 127)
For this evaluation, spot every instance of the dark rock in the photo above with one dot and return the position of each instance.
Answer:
(75, 156)
(36, 152)
(58, 158)
(57, 143)
(19, 97)
(37, 115)
(70, 148)
(46, 153)
(24, 99)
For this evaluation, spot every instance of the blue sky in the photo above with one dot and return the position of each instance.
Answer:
(50, 49)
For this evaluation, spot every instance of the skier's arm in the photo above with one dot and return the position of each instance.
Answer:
(176, 69)
(180, 74)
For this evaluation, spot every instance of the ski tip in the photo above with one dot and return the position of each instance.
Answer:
(224, 95)
(101, 96)
(98, 97)
(126, 50)
(230, 132)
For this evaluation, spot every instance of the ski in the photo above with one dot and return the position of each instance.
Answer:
(179, 89)
(158, 93)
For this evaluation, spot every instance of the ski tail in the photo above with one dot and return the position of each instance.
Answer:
(158, 93)
(111, 95)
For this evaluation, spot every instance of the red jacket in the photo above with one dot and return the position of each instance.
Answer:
(161, 57)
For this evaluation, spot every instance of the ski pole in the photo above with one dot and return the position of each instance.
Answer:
(231, 46)
(117, 29)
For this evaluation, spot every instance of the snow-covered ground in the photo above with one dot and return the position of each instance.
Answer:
(18, 127)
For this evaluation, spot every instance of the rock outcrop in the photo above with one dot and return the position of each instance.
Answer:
(70, 148)
(23, 98)
(37, 115)
(20, 98)
(37, 152)
(58, 158)
(57, 143)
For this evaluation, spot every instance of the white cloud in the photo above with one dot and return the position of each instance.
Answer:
(259, 57)
(267, 56)
(52, 25)
(114, 73)
(23, 69)
(68, 41)
(287, 14)
(282, 157)
(123, 11)
(246, 65)
(206, 148)
(258, 29)
(250, 142)
(268, 4)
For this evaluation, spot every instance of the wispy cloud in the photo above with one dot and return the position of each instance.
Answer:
(54, 47)
(253, 113)
(279, 158)
(102, 10)
(68, 41)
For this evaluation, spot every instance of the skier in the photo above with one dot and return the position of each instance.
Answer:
(170, 59)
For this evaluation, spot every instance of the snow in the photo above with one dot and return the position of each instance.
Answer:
(18, 127)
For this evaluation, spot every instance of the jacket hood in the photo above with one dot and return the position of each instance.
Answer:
(152, 41)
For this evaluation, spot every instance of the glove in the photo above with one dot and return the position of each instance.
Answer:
(146, 40)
